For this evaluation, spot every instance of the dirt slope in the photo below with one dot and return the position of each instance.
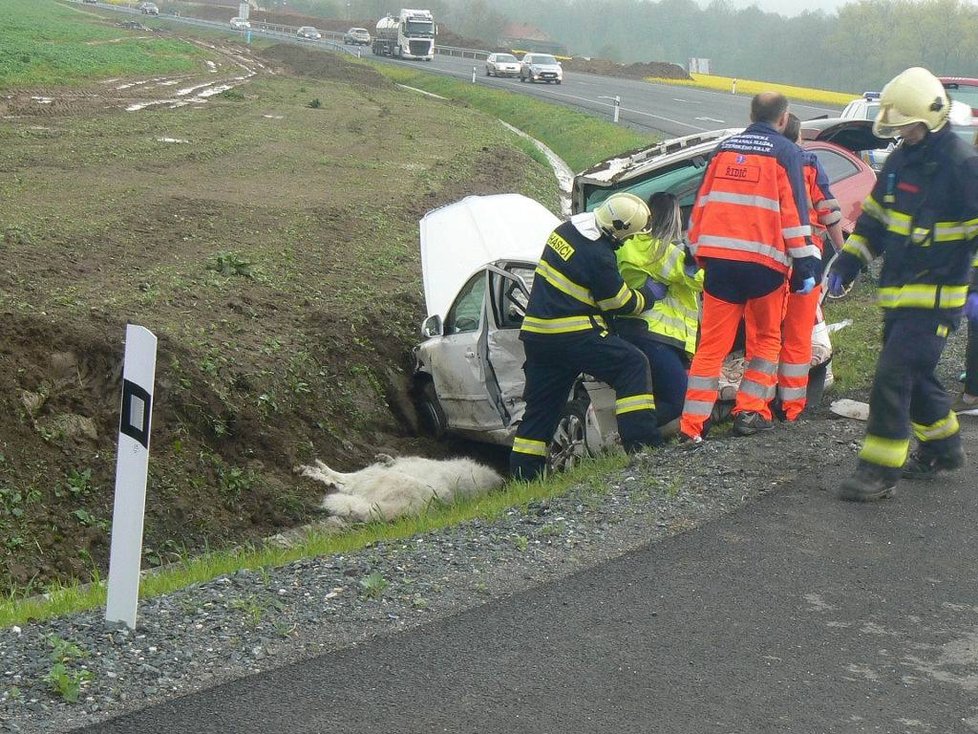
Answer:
(270, 243)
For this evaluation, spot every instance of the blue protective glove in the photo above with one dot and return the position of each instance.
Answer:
(805, 287)
(836, 287)
(845, 267)
(653, 291)
(971, 308)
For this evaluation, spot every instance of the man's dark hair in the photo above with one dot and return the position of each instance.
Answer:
(793, 127)
(768, 107)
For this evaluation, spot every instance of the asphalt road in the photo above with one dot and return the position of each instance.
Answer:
(797, 614)
(660, 108)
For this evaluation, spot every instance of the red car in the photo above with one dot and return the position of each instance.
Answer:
(962, 89)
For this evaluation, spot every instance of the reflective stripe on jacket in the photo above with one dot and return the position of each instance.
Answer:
(922, 217)
(752, 205)
(824, 209)
(577, 284)
(675, 318)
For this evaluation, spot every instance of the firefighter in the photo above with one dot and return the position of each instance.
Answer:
(922, 219)
(749, 228)
(565, 332)
(825, 217)
(667, 332)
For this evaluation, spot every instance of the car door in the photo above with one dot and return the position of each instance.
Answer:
(477, 364)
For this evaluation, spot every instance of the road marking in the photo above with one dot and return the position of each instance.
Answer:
(711, 119)
(686, 101)
(629, 110)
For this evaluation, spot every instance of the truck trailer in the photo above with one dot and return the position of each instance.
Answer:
(408, 35)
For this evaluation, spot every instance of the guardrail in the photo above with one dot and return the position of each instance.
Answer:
(465, 53)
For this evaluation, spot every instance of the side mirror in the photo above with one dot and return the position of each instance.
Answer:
(431, 326)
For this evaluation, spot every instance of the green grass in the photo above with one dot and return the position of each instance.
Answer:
(579, 139)
(43, 43)
(59, 600)
(855, 348)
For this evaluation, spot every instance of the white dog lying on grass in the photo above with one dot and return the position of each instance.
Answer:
(393, 487)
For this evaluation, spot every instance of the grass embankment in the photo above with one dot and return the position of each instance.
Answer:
(275, 254)
(752, 87)
(44, 44)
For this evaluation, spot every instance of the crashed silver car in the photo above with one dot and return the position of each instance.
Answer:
(478, 257)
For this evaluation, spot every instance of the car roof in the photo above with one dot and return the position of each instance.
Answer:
(852, 134)
(460, 238)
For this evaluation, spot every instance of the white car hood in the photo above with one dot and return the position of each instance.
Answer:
(460, 238)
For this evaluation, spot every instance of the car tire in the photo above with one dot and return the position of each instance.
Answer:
(569, 444)
(558, 81)
(431, 417)
(488, 73)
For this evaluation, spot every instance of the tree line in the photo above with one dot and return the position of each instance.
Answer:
(856, 49)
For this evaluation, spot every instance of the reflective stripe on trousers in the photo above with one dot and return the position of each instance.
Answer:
(721, 320)
(796, 351)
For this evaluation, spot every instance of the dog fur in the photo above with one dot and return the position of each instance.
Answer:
(406, 485)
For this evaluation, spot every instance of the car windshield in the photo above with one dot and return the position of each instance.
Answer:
(542, 59)
(419, 28)
(505, 57)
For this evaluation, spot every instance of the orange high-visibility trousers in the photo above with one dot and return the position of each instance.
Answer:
(796, 351)
(718, 329)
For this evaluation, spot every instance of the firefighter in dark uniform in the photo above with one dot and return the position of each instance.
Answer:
(565, 332)
(922, 219)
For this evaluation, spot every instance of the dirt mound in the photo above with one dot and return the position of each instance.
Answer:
(317, 65)
(659, 69)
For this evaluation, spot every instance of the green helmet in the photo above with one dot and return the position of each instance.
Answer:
(914, 95)
(622, 215)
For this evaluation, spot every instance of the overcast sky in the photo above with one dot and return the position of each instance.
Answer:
(791, 7)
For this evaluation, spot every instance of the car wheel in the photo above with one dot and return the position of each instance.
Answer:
(431, 417)
(558, 81)
(488, 73)
(569, 444)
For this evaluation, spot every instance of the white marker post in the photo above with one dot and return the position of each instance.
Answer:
(131, 466)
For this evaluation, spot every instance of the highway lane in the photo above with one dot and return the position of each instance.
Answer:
(663, 109)
(660, 108)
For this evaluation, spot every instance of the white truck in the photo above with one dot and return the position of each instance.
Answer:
(408, 35)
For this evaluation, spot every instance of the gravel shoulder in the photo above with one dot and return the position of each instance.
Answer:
(250, 622)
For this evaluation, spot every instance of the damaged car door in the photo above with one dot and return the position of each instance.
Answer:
(474, 356)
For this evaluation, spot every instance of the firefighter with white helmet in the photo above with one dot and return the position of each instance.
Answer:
(922, 219)
(576, 290)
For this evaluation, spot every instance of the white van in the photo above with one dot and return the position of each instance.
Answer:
(240, 23)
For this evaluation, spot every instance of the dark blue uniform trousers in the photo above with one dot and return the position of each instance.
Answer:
(552, 364)
(669, 365)
(907, 393)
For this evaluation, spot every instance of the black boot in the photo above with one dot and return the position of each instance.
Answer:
(925, 463)
(869, 484)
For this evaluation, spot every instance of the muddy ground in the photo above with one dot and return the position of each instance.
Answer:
(269, 242)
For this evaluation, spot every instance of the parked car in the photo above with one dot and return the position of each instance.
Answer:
(500, 64)
(240, 23)
(357, 37)
(308, 31)
(149, 9)
(540, 68)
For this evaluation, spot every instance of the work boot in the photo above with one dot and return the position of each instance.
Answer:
(869, 484)
(748, 423)
(690, 443)
(924, 463)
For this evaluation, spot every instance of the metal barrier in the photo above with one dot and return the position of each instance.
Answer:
(465, 53)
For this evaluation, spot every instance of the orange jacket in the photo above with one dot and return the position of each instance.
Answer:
(824, 209)
(752, 205)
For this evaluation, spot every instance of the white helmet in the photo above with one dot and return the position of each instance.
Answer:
(914, 95)
(622, 215)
